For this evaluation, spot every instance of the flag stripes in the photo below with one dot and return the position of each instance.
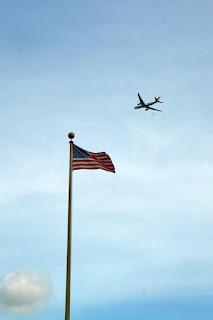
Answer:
(83, 159)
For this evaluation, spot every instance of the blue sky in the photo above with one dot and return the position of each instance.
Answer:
(142, 238)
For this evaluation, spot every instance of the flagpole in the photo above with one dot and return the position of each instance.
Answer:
(69, 231)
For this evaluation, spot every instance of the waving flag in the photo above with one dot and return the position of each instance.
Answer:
(83, 159)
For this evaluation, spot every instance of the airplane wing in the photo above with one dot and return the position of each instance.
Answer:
(153, 109)
(141, 101)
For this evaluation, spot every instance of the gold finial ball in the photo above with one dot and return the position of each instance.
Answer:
(71, 135)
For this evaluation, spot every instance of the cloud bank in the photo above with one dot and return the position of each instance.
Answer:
(22, 292)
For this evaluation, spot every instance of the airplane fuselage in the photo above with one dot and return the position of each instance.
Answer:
(140, 105)
(150, 103)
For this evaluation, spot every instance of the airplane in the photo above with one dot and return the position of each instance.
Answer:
(141, 104)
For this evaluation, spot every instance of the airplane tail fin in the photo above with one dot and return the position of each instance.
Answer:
(157, 99)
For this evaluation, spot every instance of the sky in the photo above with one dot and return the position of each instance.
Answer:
(142, 237)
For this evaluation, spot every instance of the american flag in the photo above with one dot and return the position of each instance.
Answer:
(83, 159)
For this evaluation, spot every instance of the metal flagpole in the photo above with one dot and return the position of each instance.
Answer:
(69, 231)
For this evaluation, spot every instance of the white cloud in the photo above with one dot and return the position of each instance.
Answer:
(22, 292)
